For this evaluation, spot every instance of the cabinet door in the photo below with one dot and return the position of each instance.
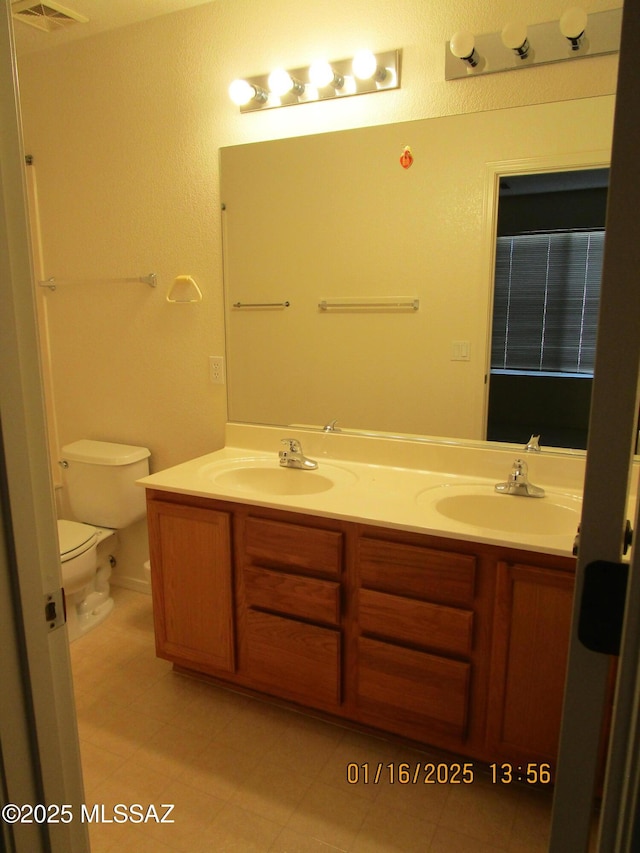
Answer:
(192, 585)
(529, 659)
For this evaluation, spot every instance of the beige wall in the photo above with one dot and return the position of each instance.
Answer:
(125, 129)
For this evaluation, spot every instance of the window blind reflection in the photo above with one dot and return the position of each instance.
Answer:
(547, 293)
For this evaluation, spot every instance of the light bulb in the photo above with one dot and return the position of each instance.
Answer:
(281, 83)
(320, 74)
(462, 45)
(573, 24)
(514, 36)
(241, 92)
(364, 65)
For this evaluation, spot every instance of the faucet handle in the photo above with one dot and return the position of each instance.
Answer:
(292, 443)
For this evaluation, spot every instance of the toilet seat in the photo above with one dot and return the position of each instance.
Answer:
(75, 538)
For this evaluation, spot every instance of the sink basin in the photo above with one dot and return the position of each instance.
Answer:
(483, 507)
(266, 477)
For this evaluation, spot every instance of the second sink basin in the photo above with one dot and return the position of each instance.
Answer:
(483, 507)
(265, 477)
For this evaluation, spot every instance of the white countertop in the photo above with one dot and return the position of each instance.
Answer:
(401, 496)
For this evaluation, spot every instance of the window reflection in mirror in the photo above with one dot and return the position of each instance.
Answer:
(549, 250)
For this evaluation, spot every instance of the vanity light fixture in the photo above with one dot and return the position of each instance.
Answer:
(469, 55)
(573, 23)
(361, 74)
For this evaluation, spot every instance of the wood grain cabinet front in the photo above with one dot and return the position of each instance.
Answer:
(529, 660)
(456, 645)
(415, 615)
(289, 600)
(190, 548)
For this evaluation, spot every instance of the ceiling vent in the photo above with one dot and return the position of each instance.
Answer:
(45, 16)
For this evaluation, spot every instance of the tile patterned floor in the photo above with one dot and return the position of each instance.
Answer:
(245, 776)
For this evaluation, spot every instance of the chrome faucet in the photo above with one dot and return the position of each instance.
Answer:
(293, 457)
(331, 426)
(533, 444)
(518, 483)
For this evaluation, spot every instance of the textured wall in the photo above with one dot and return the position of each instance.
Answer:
(125, 129)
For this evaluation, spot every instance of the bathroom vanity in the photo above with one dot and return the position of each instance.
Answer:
(343, 591)
(447, 643)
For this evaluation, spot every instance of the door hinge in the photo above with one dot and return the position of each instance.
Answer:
(602, 606)
(55, 613)
(627, 539)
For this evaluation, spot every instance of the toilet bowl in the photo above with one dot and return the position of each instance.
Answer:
(100, 479)
(85, 578)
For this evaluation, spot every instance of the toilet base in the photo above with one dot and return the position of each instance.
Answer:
(91, 605)
(83, 617)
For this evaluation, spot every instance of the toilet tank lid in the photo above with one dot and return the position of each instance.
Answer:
(103, 452)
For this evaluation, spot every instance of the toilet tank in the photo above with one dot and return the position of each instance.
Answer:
(100, 477)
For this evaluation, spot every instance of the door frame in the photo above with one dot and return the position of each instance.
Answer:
(494, 171)
(610, 448)
(38, 730)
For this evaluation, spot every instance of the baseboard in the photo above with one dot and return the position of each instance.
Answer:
(132, 583)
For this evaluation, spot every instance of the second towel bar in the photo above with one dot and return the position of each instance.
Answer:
(390, 303)
(261, 304)
(151, 279)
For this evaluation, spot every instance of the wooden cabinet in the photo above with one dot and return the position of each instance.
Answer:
(192, 585)
(451, 644)
(289, 582)
(416, 613)
(529, 660)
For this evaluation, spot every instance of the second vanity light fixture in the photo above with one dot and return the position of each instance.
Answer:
(575, 35)
(364, 73)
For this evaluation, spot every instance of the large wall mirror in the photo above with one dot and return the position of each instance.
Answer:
(361, 290)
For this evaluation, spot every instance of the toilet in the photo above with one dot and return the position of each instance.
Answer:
(100, 478)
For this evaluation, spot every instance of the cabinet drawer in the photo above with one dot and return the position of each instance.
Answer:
(294, 659)
(308, 598)
(417, 572)
(412, 693)
(434, 626)
(305, 548)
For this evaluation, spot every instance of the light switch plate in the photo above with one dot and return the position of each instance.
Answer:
(459, 350)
